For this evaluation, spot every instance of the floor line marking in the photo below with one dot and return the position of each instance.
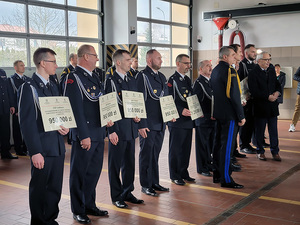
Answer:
(288, 139)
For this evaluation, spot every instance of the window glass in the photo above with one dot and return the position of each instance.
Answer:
(54, 1)
(142, 50)
(90, 4)
(160, 10)
(180, 35)
(12, 49)
(143, 8)
(165, 54)
(143, 32)
(176, 52)
(58, 46)
(44, 20)
(160, 33)
(83, 24)
(180, 13)
(12, 17)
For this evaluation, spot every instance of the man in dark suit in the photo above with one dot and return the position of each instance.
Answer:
(151, 130)
(228, 112)
(180, 141)
(46, 149)
(205, 126)
(7, 106)
(122, 135)
(281, 77)
(265, 90)
(84, 89)
(16, 81)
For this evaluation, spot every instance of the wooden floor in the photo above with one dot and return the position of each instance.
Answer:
(271, 194)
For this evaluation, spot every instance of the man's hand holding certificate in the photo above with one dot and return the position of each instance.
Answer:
(109, 109)
(133, 104)
(194, 107)
(168, 108)
(56, 111)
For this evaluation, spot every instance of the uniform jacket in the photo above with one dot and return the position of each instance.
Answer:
(125, 128)
(158, 83)
(7, 99)
(250, 66)
(63, 75)
(132, 72)
(86, 112)
(263, 83)
(185, 88)
(282, 79)
(16, 82)
(297, 78)
(203, 90)
(226, 108)
(36, 139)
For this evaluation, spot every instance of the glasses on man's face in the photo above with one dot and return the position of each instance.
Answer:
(92, 54)
(187, 63)
(53, 61)
(267, 59)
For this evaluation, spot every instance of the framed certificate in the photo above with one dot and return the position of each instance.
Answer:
(56, 111)
(245, 95)
(133, 104)
(109, 108)
(168, 108)
(194, 107)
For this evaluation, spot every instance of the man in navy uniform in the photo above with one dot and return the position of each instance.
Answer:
(122, 135)
(265, 90)
(7, 106)
(73, 63)
(84, 89)
(16, 81)
(180, 142)
(205, 126)
(46, 149)
(134, 67)
(228, 112)
(151, 130)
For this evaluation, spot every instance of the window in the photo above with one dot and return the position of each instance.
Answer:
(48, 23)
(165, 26)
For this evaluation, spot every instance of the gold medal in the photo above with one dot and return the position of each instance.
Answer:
(155, 91)
(88, 90)
(187, 91)
(94, 87)
(184, 95)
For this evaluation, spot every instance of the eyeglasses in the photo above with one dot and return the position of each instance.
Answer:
(92, 54)
(267, 59)
(187, 63)
(53, 61)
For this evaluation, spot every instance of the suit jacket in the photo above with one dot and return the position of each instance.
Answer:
(281, 79)
(296, 77)
(7, 99)
(263, 83)
(125, 128)
(185, 89)
(250, 66)
(36, 139)
(204, 92)
(226, 107)
(158, 83)
(86, 112)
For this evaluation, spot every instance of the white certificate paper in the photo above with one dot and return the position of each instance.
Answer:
(168, 108)
(194, 107)
(133, 104)
(109, 108)
(245, 95)
(56, 111)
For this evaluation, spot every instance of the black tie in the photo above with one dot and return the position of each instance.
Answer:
(48, 85)
(126, 78)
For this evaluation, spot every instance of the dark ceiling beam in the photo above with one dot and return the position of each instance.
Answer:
(255, 11)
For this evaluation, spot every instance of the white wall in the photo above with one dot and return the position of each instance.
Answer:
(263, 31)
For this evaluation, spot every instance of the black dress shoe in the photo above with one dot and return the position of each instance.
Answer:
(236, 167)
(96, 212)
(149, 191)
(9, 156)
(232, 185)
(266, 145)
(83, 219)
(248, 151)
(239, 155)
(134, 200)
(189, 179)
(233, 159)
(179, 182)
(158, 187)
(120, 204)
(207, 174)
(216, 178)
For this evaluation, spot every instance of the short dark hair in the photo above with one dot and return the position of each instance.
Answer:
(71, 56)
(249, 46)
(225, 50)
(180, 56)
(277, 65)
(41, 54)
(16, 62)
(83, 49)
(118, 54)
(150, 52)
(235, 47)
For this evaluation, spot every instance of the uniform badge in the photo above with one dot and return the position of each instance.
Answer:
(120, 81)
(169, 85)
(70, 81)
(184, 95)
(155, 91)
(41, 84)
(187, 91)
(93, 94)
(94, 87)
(88, 90)
(180, 78)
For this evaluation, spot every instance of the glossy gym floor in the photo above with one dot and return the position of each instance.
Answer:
(271, 194)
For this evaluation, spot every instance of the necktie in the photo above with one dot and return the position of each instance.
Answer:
(48, 85)
(126, 78)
